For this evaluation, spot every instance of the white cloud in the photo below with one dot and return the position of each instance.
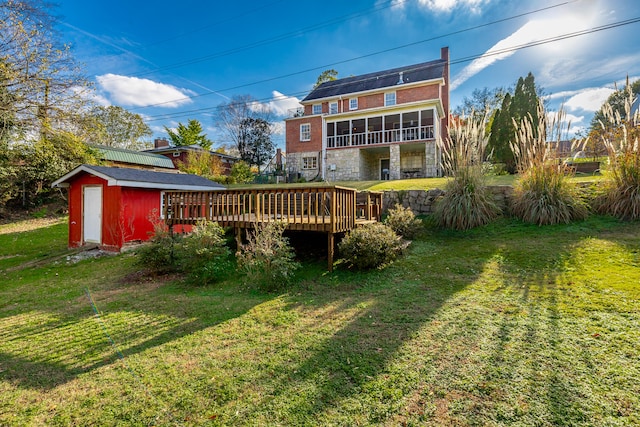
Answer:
(590, 99)
(447, 6)
(142, 92)
(280, 104)
(536, 30)
(91, 95)
(441, 6)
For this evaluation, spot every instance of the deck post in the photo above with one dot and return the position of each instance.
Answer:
(238, 238)
(330, 246)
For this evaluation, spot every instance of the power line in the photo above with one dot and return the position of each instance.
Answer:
(362, 56)
(271, 40)
(457, 61)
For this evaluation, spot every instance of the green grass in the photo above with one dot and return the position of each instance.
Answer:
(405, 184)
(509, 324)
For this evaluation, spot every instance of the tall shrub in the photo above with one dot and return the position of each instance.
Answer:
(203, 254)
(467, 202)
(620, 136)
(268, 259)
(542, 194)
(403, 221)
(370, 246)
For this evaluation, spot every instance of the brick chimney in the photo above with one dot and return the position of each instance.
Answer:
(160, 143)
(444, 55)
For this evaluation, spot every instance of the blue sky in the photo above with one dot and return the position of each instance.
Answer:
(173, 61)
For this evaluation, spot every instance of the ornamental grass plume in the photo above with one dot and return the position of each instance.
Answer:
(543, 195)
(467, 202)
(621, 195)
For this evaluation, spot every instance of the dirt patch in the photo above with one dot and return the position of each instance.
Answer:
(88, 254)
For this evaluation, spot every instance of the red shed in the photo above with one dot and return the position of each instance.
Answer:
(111, 206)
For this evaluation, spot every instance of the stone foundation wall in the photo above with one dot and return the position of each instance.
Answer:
(347, 164)
(295, 163)
(421, 202)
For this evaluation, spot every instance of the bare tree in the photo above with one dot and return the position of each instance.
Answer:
(242, 120)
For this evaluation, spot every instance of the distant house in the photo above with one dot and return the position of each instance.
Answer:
(121, 157)
(110, 207)
(382, 125)
(179, 154)
(276, 165)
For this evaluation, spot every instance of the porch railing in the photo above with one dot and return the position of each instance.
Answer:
(381, 137)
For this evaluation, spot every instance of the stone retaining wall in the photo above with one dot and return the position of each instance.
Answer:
(422, 201)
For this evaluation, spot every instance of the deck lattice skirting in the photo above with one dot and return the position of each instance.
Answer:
(330, 209)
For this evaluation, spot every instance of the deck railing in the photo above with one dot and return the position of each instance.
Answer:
(330, 209)
(381, 137)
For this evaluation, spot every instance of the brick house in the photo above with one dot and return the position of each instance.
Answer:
(162, 147)
(382, 125)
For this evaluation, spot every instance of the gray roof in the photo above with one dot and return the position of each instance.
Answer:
(140, 178)
(382, 79)
(134, 157)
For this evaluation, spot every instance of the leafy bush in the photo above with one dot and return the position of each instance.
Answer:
(370, 246)
(241, 172)
(268, 259)
(494, 169)
(467, 202)
(159, 254)
(403, 222)
(203, 254)
(543, 195)
(620, 136)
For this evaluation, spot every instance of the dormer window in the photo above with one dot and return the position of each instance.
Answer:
(389, 99)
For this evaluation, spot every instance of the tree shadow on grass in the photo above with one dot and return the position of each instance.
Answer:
(539, 354)
(387, 311)
(47, 345)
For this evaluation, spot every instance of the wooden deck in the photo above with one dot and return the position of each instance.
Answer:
(329, 209)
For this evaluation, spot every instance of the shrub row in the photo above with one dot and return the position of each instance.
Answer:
(267, 260)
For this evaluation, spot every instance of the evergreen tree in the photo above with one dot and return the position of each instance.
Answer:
(502, 131)
(191, 134)
(516, 108)
(525, 102)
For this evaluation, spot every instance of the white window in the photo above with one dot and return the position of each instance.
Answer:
(390, 98)
(353, 104)
(333, 108)
(176, 154)
(161, 213)
(305, 132)
(317, 108)
(309, 163)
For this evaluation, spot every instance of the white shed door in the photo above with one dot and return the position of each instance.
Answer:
(92, 214)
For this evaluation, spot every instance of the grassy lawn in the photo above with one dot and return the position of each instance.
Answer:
(510, 324)
(408, 184)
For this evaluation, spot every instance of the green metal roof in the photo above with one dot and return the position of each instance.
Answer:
(134, 157)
